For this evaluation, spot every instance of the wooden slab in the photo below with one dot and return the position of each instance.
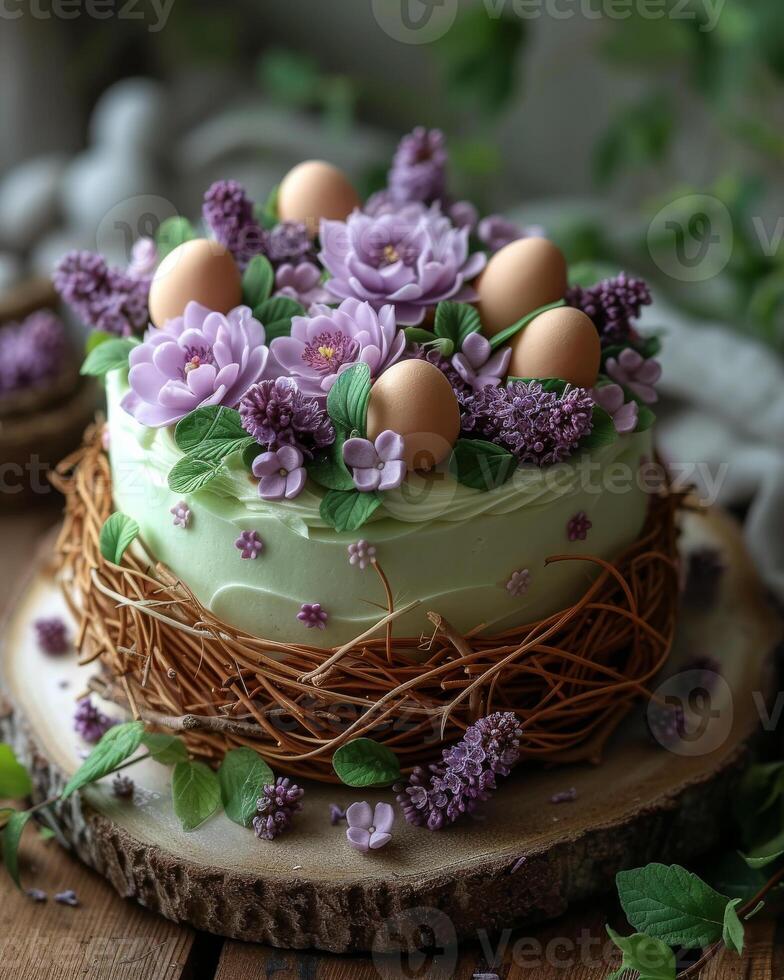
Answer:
(309, 889)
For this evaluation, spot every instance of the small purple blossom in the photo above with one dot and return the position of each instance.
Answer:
(369, 829)
(313, 616)
(564, 796)
(144, 259)
(613, 304)
(123, 787)
(276, 414)
(636, 373)
(51, 634)
(361, 553)
(228, 211)
(67, 897)
(577, 527)
(91, 723)
(36, 895)
(477, 365)
(421, 352)
(301, 282)
(281, 474)
(102, 297)
(336, 814)
(376, 466)
(519, 582)
(289, 241)
(418, 171)
(250, 545)
(612, 399)
(182, 514)
(277, 806)
(463, 214)
(32, 352)
(495, 231)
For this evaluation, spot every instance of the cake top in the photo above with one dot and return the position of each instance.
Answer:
(349, 348)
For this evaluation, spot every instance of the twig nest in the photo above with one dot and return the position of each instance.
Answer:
(415, 399)
(561, 343)
(314, 190)
(519, 278)
(201, 270)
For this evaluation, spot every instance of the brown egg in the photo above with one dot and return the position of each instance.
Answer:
(560, 343)
(519, 278)
(314, 190)
(416, 400)
(201, 270)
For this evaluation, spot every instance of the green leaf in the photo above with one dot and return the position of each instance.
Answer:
(117, 745)
(242, 775)
(267, 214)
(14, 782)
(416, 335)
(482, 465)
(12, 835)
(603, 432)
(733, 931)
(506, 335)
(348, 398)
(191, 474)
(364, 762)
(645, 418)
(171, 233)
(117, 533)
(651, 958)
(107, 356)
(196, 793)
(587, 274)
(766, 854)
(166, 749)
(95, 338)
(257, 281)
(672, 904)
(455, 321)
(275, 315)
(328, 469)
(348, 510)
(249, 454)
(731, 875)
(212, 433)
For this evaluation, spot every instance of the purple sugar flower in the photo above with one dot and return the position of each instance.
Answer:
(463, 214)
(32, 352)
(281, 473)
(495, 231)
(228, 211)
(327, 341)
(433, 356)
(361, 553)
(250, 545)
(613, 400)
(519, 582)
(612, 304)
(418, 171)
(476, 363)
(52, 635)
(413, 258)
(102, 297)
(276, 414)
(313, 616)
(577, 527)
(68, 897)
(376, 466)
(91, 723)
(197, 359)
(182, 514)
(301, 282)
(289, 241)
(144, 259)
(336, 814)
(636, 373)
(369, 829)
(277, 806)
(466, 776)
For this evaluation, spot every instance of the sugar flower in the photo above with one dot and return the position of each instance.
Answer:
(476, 363)
(412, 258)
(68, 897)
(276, 808)
(32, 352)
(577, 527)
(613, 400)
(91, 723)
(289, 241)
(250, 545)
(463, 214)
(102, 297)
(636, 373)
(519, 582)
(301, 282)
(228, 211)
(144, 259)
(182, 514)
(361, 553)
(52, 635)
(430, 354)
(376, 466)
(199, 358)
(613, 304)
(369, 829)
(313, 616)
(276, 414)
(281, 473)
(495, 231)
(418, 171)
(327, 341)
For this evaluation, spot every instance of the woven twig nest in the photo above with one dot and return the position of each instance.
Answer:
(570, 678)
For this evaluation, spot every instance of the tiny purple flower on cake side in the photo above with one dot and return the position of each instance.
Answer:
(369, 829)
(613, 400)
(636, 373)
(578, 527)
(249, 544)
(276, 807)
(376, 466)
(519, 582)
(91, 723)
(276, 414)
(313, 616)
(52, 635)
(182, 514)
(281, 474)
(361, 553)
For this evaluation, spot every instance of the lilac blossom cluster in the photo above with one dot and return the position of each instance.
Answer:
(31, 352)
(279, 803)
(102, 296)
(613, 304)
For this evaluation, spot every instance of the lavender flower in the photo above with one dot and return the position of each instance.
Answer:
(197, 359)
(250, 545)
(228, 211)
(313, 616)
(182, 514)
(413, 258)
(280, 473)
(418, 170)
(612, 304)
(376, 466)
(361, 553)
(144, 259)
(91, 723)
(578, 527)
(369, 829)
(289, 241)
(278, 804)
(277, 414)
(31, 352)
(36, 895)
(636, 373)
(123, 787)
(67, 897)
(519, 582)
(327, 341)
(466, 776)
(476, 363)
(301, 282)
(613, 400)
(52, 635)
(105, 298)
(537, 426)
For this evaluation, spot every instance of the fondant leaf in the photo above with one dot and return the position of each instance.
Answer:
(455, 321)
(95, 338)
(645, 418)
(242, 776)
(107, 356)
(166, 749)
(12, 835)
(275, 315)
(348, 510)
(603, 432)
(650, 958)
(257, 281)
(506, 335)
(117, 745)
(348, 399)
(482, 465)
(117, 533)
(417, 335)
(212, 433)
(191, 474)
(171, 233)
(364, 762)
(14, 781)
(195, 792)
(329, 470)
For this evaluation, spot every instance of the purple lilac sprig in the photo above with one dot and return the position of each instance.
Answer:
(276, 808)
(228, 211)
(466, 776)
(276, 413)
(102, 296)
(91, 723)
(289, 242)
(313, 616)
(31, 352)
(613, 304)
(418, 171)
(51, 634)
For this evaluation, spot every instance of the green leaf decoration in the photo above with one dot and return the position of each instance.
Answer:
(191, 474)
(117, 745)
(328, 469)
(482, 465)
(171, 233)
(455, 321)
(267, 214)
(364, 762)
(95, 338)
(348, 510)
(117, 533)
(417, 335)
(275, 315)
(249, 454)
(672, 904)
(212, 433)
(257, 281)
(733, 931)
(12, 835)
(645, 418)
(166, 749)
(348, 398)
(650, 958)
(14, 781)
(242, 775)
(196, 794)
(603, 432)
(506, 335)
(108, 355)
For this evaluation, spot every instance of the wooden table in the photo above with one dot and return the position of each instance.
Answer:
(108, 938)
